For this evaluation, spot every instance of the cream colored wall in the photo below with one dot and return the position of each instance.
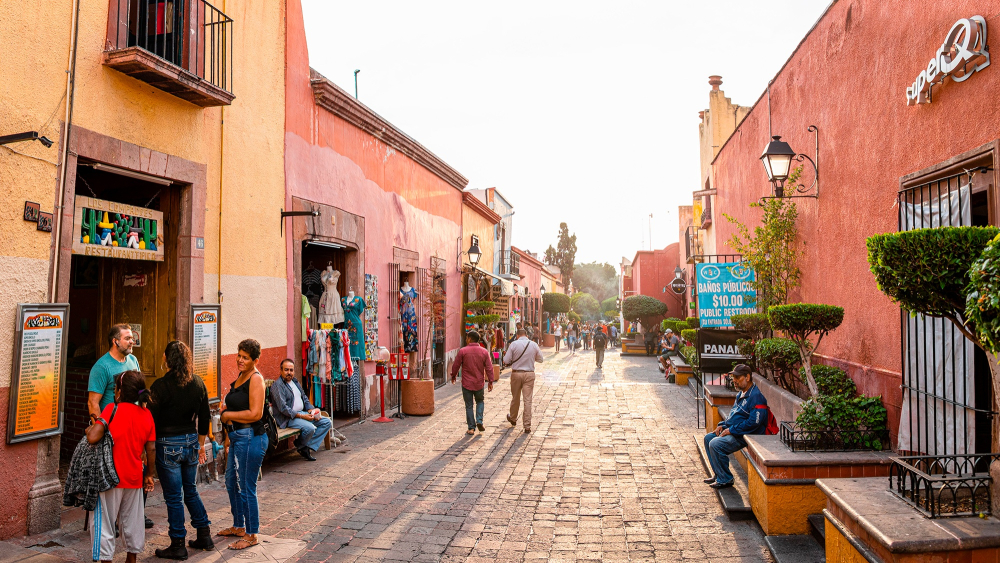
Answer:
(718, 123)
(475, 224)
(247, 157)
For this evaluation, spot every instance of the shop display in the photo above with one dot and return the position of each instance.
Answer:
(408, 317)
(354, 307)
(312, 288)
(330, 310)
(371, 317)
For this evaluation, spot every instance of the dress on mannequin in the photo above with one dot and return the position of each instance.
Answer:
(408, 317)
(353, 309)
(330, 310)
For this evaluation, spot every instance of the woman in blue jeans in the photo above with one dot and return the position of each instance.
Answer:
(181, 415)
(244, 422)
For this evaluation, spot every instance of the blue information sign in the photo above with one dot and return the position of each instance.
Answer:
(724, 291)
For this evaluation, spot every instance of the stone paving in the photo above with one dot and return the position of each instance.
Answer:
(610, 472)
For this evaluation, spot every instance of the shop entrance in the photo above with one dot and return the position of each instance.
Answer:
(105, 291)
(322, 263)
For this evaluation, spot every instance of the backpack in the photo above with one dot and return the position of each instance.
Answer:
(772, 423)
(270, 425)
(600, 340)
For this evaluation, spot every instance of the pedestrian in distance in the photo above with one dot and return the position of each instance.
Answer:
(571, 333)
(614, 336)
(521, 357)
(101, 384)
(600, 342)
(292, 409)
(557, 332)
(587, 335)
(134, 434)
(243, 417)
(180, 412)
(477, 371)
(748, 416)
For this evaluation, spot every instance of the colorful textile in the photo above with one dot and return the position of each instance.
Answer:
(355, 328)
(306, 312)
(354, 393)
(371, 317)
(408, 319)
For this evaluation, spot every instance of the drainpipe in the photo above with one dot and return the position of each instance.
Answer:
(222, 144)
(67, 125)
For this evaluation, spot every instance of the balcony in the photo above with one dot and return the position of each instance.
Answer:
(183, 47)
(693, 244)
(510, 263)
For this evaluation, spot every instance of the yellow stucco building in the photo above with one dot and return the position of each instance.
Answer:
(165, 182)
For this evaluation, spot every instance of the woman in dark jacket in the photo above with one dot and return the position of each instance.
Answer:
(180, 411)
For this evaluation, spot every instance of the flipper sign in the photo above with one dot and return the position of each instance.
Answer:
(724, 290)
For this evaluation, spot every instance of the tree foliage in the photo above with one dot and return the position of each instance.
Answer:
(770, 249)
(574, 317)
(644, 308)
(780, 357)
(755, 326)
(555, 303)
(801, 322)
(597, 279)
(585, 305)
(564, 254)
(690, 335)
(982, 305)
(610, 304)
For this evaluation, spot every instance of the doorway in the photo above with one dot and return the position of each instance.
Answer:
(105, 291)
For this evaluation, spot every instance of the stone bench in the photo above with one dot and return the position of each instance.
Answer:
(680, 370)
(285, 434)
(716, 397)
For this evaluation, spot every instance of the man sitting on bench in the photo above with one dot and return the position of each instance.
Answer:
(671, 346)
(749, 416)
(292, 409)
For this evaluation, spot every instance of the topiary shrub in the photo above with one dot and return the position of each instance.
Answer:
(832, 381)
(668, 323)
(690, 335)
(780, 357)
(693, 322)
(862, 422)
(482, 320)
(982, 304)
(573, 317)
(801, 322)
(555, 303)
(644, 308)
(690, 355)
(480, 305)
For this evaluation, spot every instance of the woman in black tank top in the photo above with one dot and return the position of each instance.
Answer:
(247, 445)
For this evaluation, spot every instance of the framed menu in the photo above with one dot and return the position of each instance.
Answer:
(206, 340)
(38, 375)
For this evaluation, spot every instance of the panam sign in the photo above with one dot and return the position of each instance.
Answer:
(962, 54)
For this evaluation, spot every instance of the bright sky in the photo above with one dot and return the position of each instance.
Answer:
(577, 111)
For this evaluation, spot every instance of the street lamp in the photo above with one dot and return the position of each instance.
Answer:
(777, 160)
(474, 254)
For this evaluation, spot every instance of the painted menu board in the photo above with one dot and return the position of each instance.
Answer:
(205, 341)
(38, 375)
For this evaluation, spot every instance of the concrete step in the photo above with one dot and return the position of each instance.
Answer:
(817, 523)
(735, 500)
(795, 549)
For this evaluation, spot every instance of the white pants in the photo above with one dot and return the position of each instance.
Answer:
(123, 506)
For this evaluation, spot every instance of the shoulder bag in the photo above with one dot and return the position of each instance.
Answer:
(519, 356)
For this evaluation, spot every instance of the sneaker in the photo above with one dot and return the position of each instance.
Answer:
(661, 369)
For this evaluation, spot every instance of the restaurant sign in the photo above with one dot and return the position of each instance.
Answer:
(117, 230)
(37, 387)
(963, 53)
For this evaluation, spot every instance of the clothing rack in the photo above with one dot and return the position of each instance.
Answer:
(332, 379)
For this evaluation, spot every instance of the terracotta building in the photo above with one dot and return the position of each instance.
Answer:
(651, 274)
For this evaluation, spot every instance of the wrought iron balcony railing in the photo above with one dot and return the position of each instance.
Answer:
(183, 47)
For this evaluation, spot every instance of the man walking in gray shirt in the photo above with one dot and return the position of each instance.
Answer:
(521, 357)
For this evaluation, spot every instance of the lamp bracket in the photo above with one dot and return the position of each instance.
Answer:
(284, 214)
(799, 191)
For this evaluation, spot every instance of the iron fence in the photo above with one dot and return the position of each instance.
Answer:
(940, 486)
(191, 34)
(801, 440)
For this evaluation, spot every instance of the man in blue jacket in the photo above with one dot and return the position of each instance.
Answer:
(749, 416)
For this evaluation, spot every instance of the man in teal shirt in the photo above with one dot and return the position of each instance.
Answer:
(101, 387)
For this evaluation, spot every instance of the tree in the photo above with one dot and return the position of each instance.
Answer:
(644, 308)
(585, 305)
(771, 250)
(564, 254)
(780, 356)
(599, 280)
(610, 304)
(555, 303)
(801, 322)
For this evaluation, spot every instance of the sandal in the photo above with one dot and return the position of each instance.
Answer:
(247, 541)
(232, 531)
(470, 432)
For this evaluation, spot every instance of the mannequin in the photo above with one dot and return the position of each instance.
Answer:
(408, 316)
(330, 309)
(406, 287)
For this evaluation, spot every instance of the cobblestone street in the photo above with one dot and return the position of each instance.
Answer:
(610, 472)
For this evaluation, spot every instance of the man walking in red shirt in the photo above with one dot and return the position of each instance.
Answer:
(477, 370)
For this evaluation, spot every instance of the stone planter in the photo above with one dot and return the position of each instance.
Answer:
(784, 405)
(418, 397)
(548, 340)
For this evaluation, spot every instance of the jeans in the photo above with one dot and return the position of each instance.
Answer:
(718, 449)
(600, 356)
(650, 347)
(571, 342)
(177, 468)
(246, 453)
(313, 433)
(468, 396)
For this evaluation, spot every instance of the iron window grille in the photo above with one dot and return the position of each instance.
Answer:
(800, 440)
(943, 486)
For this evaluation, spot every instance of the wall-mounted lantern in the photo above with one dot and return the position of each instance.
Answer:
(777, 159)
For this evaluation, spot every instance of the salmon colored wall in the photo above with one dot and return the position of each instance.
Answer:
(652, 270)
(331, 161)
(868, 139)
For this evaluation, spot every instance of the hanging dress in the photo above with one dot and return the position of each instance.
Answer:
(408, 319)
(355, 328)
(329, 304)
